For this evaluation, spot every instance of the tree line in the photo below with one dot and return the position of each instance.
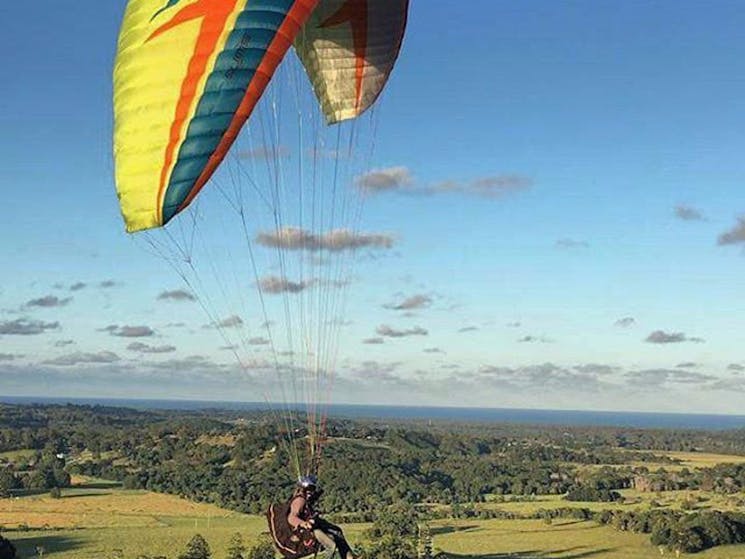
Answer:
(237, 460)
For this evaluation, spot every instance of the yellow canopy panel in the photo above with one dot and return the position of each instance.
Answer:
(187, 75)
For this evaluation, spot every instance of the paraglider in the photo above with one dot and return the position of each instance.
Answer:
(298, 529)
(188, 75)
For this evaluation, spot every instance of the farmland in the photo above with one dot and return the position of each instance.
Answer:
(96, 519)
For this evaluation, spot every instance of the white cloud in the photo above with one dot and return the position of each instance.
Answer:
(293, 238)
(26, 327)
(81, 358)
(687, 213)
(130, 331)
(381, 180)
(48, 301)
(418, 301)
(276, 285)
(233, 321)
(176, 295)
(735, 235)
(146, 348)
(571, 244)
(662, 337)
(388, 332)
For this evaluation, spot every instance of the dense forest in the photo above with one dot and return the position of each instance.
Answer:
(238, 461)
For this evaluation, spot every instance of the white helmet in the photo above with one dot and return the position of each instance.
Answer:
(307, 482)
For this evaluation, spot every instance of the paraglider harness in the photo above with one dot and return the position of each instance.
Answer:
(292, 543)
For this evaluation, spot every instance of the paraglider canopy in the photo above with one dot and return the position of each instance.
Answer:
(349, 48)
(188, 74)
(186, 78)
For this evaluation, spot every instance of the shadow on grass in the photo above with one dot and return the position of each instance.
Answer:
(573, 553)
(74, 494)
(562, 522)
(436, 531)
(27, 547)
(558, 525)
(99, 485)
(28, 492)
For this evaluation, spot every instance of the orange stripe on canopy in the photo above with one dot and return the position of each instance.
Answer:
(214, 14)
(295, 19)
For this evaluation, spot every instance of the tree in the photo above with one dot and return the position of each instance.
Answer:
(262, 550)
(390, 547)
(394, 534)
(197, 548)
(8, 482)
(7, 549)
(132, 481)
(236, 547)
(425, 548)
(687, 540)
(399, 520)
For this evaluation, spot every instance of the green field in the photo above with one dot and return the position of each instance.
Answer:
(691, 460)
(99, 520)
(17, 455)
(633, 500)
(96, 521)
(567, 539)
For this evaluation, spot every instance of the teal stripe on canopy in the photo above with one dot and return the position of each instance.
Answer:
(255, 29)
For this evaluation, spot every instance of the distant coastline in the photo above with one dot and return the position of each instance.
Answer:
(646, 420)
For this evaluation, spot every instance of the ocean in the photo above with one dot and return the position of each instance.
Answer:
(646, 420)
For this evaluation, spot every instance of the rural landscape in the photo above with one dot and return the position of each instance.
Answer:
(372, 279)
(105, 482)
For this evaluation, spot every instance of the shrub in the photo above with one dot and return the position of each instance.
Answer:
(7, 549)
(197, 548)
(262, 550)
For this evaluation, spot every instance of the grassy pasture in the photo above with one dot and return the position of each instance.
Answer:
(162, 535)
(565, 539)
(525, 539)
(99, 522)
(633, 500)
(17, 455)
(99, 508)
(102, 521)
(704, 459)
(97, 519)
(691, 460)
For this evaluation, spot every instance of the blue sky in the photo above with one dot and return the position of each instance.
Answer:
(596, 279)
